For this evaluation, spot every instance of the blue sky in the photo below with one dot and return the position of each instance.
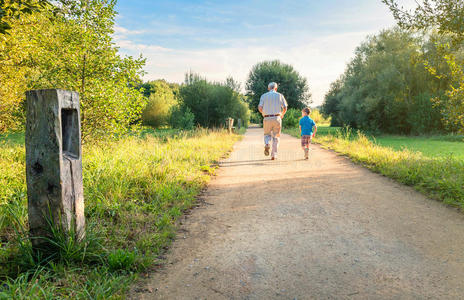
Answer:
(222, 38)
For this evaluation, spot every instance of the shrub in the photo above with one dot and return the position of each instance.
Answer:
(181, 118)
(291, 118)
(212, 103)
(160, 102)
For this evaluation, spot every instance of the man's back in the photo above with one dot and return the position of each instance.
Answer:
(272, 103)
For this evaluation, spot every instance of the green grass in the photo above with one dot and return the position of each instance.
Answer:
(430, 146)
(434, 146)
(435, 172)
(135, 189)
(14, 138)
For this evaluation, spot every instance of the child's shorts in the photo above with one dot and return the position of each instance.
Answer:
(305, 140)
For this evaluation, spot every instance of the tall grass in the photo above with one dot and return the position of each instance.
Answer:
(440, 178)
(135, 189)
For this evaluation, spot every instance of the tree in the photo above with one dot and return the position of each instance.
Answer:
(211, 103)
(448, 17)
(161, 99)
(386, 87)
(13, 9)
(72, 50)
(331, 105)
(291, 84)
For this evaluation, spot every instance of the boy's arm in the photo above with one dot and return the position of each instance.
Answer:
(315, 130)
(300, 129)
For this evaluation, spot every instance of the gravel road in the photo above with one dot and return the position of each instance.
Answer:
(318, 229)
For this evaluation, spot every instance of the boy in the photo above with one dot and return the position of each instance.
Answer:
(306, 130)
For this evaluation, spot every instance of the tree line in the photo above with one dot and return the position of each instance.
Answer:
(196, 102)
(406, 80)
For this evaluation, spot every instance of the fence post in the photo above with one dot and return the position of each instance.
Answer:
(54, 163)
(230, 124)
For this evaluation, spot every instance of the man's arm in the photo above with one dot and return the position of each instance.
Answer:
(284, 106)
(260, 105)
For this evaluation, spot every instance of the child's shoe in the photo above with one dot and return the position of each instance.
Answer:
(306, 155)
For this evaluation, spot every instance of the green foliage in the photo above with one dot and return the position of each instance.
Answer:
(73, 50)
(14, 9)
(387, 88)
(448, 17)
(291, 118)
(405, 166)
(161, 100)
(256, 118)
(292, 85)
(181, 117)
(212, 103)
(135, 189)
(121, 260)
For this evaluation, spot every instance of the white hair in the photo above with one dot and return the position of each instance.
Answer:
(272, 85)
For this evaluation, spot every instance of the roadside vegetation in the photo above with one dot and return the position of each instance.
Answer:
(135, 189)
(433, 165)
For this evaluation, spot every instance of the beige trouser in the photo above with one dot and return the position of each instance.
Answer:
(272, 128)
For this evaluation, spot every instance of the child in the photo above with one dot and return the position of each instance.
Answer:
(306, 130)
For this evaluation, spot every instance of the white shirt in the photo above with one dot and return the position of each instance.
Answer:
(272, 103)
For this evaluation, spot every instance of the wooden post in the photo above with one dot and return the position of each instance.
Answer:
(239, 124)
(230, 124)
(54, 163)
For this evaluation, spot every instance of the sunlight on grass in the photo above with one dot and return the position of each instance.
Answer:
(135, 189)
(440, 177)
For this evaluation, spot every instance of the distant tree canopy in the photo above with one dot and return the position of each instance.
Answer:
(388, 88)
(446, 16)
(291, 84)
(212, 103)
(71, 50)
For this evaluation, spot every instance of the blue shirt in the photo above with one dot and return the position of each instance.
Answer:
(307, 125)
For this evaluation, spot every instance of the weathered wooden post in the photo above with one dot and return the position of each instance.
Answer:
(230, 124)
(54, 163)
(239, 124)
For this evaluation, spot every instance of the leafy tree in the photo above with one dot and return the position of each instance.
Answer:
(448, 17)
(13, 9)
(160, 102)
(212, 103)
(386, 87)
(291, 84)
(181, 117)
(72, 50)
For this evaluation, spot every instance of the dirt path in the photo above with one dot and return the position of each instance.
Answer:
(318, 229)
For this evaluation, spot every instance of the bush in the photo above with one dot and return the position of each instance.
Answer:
(212, 103)
(181, 118)
(160, 101)
(291, 118)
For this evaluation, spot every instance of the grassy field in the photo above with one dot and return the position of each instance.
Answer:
(430, 146)
(135, 189)
(433, 146)
(433, 165)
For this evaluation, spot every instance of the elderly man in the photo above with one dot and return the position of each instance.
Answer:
(273, 107)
